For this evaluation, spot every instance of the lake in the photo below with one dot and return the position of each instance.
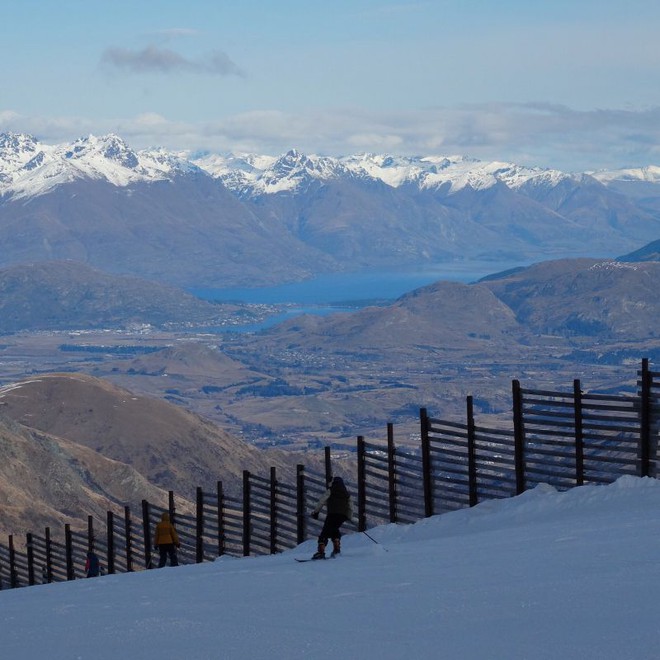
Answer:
(340, 289)
(341, 292)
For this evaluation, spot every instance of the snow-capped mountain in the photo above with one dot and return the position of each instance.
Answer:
(18, 152)
(208, 219)
(649, 174)
(29, 168)
(251, 176)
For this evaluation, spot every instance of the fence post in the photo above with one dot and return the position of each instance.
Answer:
(246, 513)
(391, 470)
(221, 518)
(579, 433)
(110, 531)
(90, 534)
(273, 511)
(361, 485)
(146, 533)
(645, 421)
(68, 543)
(13, 575)
(300, 503)
(426, 463)
(170, 506)
(518, 437)
(49, 556)
(128, 531)
(30, 558)
(199, 526)
(328, 466)
(471, 454)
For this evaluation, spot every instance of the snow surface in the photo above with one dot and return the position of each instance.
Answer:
(24, 174)
(265, 176)
(548, 574)
(650, 174)
(29, 168)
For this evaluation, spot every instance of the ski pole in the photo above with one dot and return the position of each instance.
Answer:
(374, 540)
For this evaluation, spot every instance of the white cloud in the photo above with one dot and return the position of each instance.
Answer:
(532, 134)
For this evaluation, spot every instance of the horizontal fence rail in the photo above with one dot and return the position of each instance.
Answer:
(562, 438)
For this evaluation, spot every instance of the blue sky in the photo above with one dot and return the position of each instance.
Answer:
(572, 85)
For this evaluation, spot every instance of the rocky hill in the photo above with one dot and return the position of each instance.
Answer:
(584, 298)
(445, 314)
(73, 296)
(46, 480)
(74, 445)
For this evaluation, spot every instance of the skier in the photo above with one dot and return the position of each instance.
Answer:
(92, 565)
(340, 509)
(166, 540)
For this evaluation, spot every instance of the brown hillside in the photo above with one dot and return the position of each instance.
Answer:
(47, 481)
(171, 447)
(67, 295)
(584, 297)
(444, 314)
(192, 360)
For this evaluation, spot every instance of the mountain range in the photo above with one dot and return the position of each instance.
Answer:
(198, 219)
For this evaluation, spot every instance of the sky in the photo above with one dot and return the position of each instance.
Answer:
(562, 84)
(546, 575)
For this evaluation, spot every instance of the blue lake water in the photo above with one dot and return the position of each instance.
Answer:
(338, 292)
(349, 288)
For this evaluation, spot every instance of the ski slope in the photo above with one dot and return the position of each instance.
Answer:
(544, 575)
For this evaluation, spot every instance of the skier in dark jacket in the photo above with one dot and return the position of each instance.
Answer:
(340, 509)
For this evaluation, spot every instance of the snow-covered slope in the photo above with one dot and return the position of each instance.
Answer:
(546, 575)
(650, 174)
(253, 176)
(29, 168)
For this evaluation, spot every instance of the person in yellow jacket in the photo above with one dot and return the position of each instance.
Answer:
(166, 540)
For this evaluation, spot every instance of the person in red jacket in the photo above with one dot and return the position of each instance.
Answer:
(340, 509)
(166, 540)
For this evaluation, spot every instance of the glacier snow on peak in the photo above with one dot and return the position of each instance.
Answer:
(29, 168)
(24, 173)
(293, 170)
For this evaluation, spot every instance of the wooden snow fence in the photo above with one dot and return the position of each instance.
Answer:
(562, 438)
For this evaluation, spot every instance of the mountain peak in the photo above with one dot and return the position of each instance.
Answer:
(16, 151)
(28, 169)
(110, 147)
(16, 143)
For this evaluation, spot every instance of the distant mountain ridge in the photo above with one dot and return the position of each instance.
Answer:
(29, 167)
(211, 220)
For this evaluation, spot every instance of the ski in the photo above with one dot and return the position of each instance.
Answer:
(302, 561)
